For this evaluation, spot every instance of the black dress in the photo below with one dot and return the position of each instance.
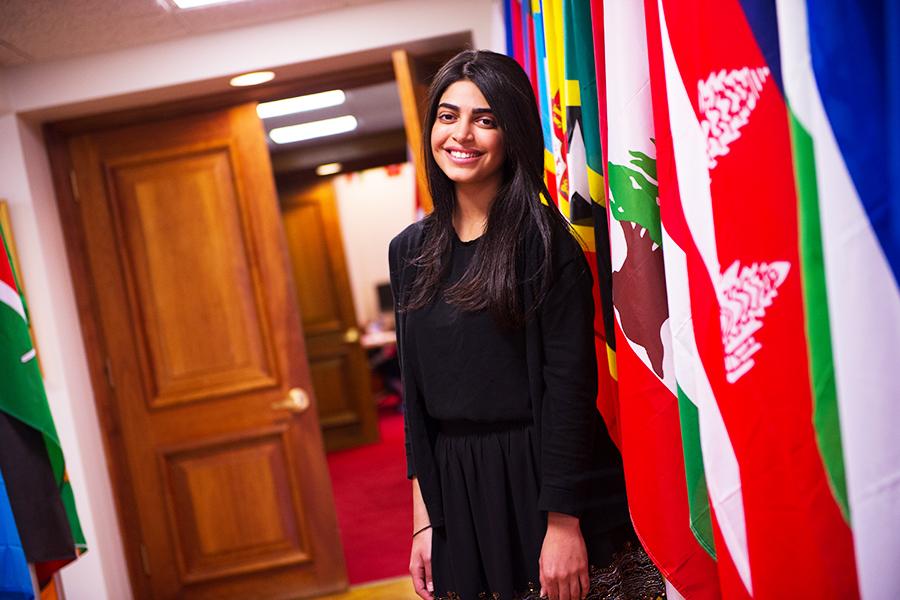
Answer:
(502, 426)
(473, 378)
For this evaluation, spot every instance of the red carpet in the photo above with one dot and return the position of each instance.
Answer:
(374, 504)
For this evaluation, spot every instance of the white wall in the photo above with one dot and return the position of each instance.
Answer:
(373, 207)
(31, 94)
(26, 184)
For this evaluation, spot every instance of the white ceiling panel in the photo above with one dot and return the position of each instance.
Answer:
(41, 30)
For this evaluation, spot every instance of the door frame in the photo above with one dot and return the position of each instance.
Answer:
(56, 136)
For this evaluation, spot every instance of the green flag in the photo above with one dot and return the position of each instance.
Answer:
(22, 393)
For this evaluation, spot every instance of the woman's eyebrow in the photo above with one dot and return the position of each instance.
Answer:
(475, 111)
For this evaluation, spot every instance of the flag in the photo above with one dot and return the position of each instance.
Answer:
(520, 36)
(732, 153)
(30, 451)
(648, 391)
(515, 34)
(545, 101)
(711, 469)
(587, 196)
(528, 38)
(15, 579)
(847, 166)
(552, 14)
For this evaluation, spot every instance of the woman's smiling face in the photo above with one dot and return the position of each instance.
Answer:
(465, 140)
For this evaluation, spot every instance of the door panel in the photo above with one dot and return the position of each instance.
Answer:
(320, 302)
(330, 374)
(257, 526)
(206, 361)
(179, 217)
(340, 369)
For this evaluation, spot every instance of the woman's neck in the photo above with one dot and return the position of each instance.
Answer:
(473, 205)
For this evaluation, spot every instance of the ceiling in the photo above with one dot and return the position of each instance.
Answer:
(34, 31)
(378, 137)
(376, 108)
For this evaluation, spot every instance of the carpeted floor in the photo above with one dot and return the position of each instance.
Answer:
(374, 504)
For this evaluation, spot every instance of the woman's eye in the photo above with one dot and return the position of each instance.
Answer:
(488, 122)
(446, 117)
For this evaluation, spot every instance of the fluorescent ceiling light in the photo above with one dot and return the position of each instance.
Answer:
(328, 169)
(289, 106)
(313, 129)
(198, 3)
(254, 78)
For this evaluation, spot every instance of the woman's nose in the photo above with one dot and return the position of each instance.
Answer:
(463, 131)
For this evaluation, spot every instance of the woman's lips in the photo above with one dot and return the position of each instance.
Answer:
(463, 157)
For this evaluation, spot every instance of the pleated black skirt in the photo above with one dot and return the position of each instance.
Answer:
(491, 540)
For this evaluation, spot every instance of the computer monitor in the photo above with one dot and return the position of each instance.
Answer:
(385, 297)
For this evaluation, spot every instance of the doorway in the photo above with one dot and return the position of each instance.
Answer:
(343, 198)
(200, 363)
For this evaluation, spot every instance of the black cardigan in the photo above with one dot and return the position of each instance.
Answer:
(580, 467)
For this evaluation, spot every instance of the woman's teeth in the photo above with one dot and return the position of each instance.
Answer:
(457, 154)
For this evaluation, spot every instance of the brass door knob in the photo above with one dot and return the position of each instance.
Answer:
(296, 402)
(351, 336)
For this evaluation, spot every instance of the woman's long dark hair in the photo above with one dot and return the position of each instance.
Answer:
(491, 280)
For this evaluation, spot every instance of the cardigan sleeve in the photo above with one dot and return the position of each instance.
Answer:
(570, 385)
(394, 262)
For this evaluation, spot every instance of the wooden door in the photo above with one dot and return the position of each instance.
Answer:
(222, 466)
(340, 371)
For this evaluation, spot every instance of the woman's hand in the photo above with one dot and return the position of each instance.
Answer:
(420, 555)
(563, 563)
(420, 565)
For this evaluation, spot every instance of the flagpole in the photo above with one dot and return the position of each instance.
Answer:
(34, 581)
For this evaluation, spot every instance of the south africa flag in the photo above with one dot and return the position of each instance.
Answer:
(30, 454)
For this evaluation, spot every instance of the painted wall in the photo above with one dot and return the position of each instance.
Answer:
(373, 207)
(32, 94)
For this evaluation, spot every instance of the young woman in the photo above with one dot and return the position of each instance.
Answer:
(517, 487)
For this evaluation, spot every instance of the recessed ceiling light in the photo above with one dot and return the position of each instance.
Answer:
(254, 78)
(199, 3)
(328, 169)
(289, 106)
(313, 129)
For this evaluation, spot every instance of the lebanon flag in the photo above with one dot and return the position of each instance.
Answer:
(32, 459)
(733, 158)
(845, 126)
(649, 412)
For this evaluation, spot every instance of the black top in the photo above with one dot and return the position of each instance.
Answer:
(465, 366)
(580, 468)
